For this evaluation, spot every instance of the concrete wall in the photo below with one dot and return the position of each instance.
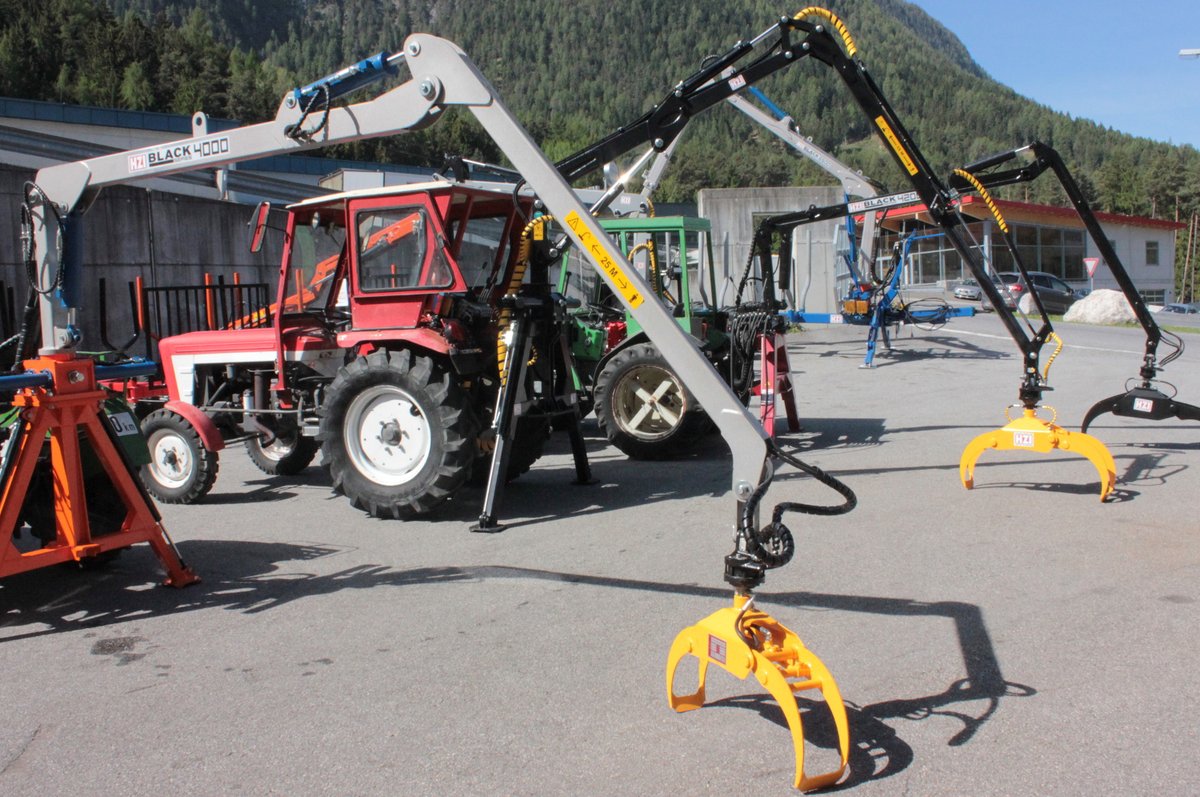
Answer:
(1130, 245)
(732, 212)
(166, 238)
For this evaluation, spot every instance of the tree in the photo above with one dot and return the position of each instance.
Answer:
(136, 91)
(193, 67)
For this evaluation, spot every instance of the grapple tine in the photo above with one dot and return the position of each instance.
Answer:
(971, 454)
(1097, 453)
(1102, 406)
(1185, 412)
(1031, 433)
(745, 641)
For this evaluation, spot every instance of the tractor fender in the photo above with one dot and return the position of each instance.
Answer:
(640, 337)
(210, 436)
(418, 338)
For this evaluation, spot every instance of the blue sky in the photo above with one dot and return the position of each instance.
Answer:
(1116, 63)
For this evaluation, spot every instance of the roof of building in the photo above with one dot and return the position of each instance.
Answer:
(95, 116)
(1033, 213)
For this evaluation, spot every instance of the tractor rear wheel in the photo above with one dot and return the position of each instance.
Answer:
(288, 454)
(395, 434)
(181, 469)
(642, 406)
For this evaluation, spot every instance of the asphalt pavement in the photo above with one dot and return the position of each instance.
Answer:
(1018, 638)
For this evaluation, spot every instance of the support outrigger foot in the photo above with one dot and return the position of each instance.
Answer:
(1144, 402)
(743, 640)
(1031, 433)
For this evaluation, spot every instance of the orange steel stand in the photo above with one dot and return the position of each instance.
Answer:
(775, 380)
(75, 403)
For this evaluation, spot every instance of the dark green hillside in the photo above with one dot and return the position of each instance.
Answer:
(574, 71)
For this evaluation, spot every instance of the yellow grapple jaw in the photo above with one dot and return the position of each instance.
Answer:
(1031, 433)
(745, 641)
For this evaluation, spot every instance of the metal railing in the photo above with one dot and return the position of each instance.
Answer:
(173, 310)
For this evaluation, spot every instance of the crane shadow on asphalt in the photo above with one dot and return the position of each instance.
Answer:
(877, 750)
(255, 577)
(926, 347)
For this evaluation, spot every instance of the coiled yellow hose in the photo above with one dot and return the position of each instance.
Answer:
(987, 197)
(835, 21)
(514, 284)
(1050, 360)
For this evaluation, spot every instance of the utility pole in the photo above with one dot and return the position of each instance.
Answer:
(1189, 268)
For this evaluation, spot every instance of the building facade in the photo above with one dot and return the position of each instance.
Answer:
(1047, 238)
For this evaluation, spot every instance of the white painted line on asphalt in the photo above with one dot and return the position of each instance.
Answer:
(1065, 345)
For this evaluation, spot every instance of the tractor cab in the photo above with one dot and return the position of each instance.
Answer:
(423, 263)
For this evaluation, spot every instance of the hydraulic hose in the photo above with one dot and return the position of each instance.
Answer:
(514, 284)
(835, 21)
(1050, 360)
(773, 544)
(987, 198)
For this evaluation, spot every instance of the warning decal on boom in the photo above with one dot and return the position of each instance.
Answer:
(596, 249)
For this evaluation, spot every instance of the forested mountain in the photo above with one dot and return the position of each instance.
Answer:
(572, 72)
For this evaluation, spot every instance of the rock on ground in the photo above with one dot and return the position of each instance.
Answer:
(1101, 306)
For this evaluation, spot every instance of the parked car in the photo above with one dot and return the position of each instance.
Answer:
(1176, 307)
(1004, 282)
(1056, 295)
(968, 289)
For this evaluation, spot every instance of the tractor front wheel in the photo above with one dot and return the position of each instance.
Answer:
(642, 406)
(181, 469)
(395, 434)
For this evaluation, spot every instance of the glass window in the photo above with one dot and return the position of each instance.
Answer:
(1027, 246)
(392, 249)
(1050, 252)
(312, 268)
(482, 246)
(1151, 253)
(1074, 251)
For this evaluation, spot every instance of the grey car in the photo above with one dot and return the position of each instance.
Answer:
(1056, 295)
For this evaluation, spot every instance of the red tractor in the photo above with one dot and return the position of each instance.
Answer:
(383, 349)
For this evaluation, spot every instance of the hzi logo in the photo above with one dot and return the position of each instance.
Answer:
(1143, 405)
(717, 649)
(1022, 439)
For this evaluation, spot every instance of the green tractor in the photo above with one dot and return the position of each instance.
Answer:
(641, 405)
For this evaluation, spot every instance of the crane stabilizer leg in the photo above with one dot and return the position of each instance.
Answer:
(1032, 433)
(744, 641)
